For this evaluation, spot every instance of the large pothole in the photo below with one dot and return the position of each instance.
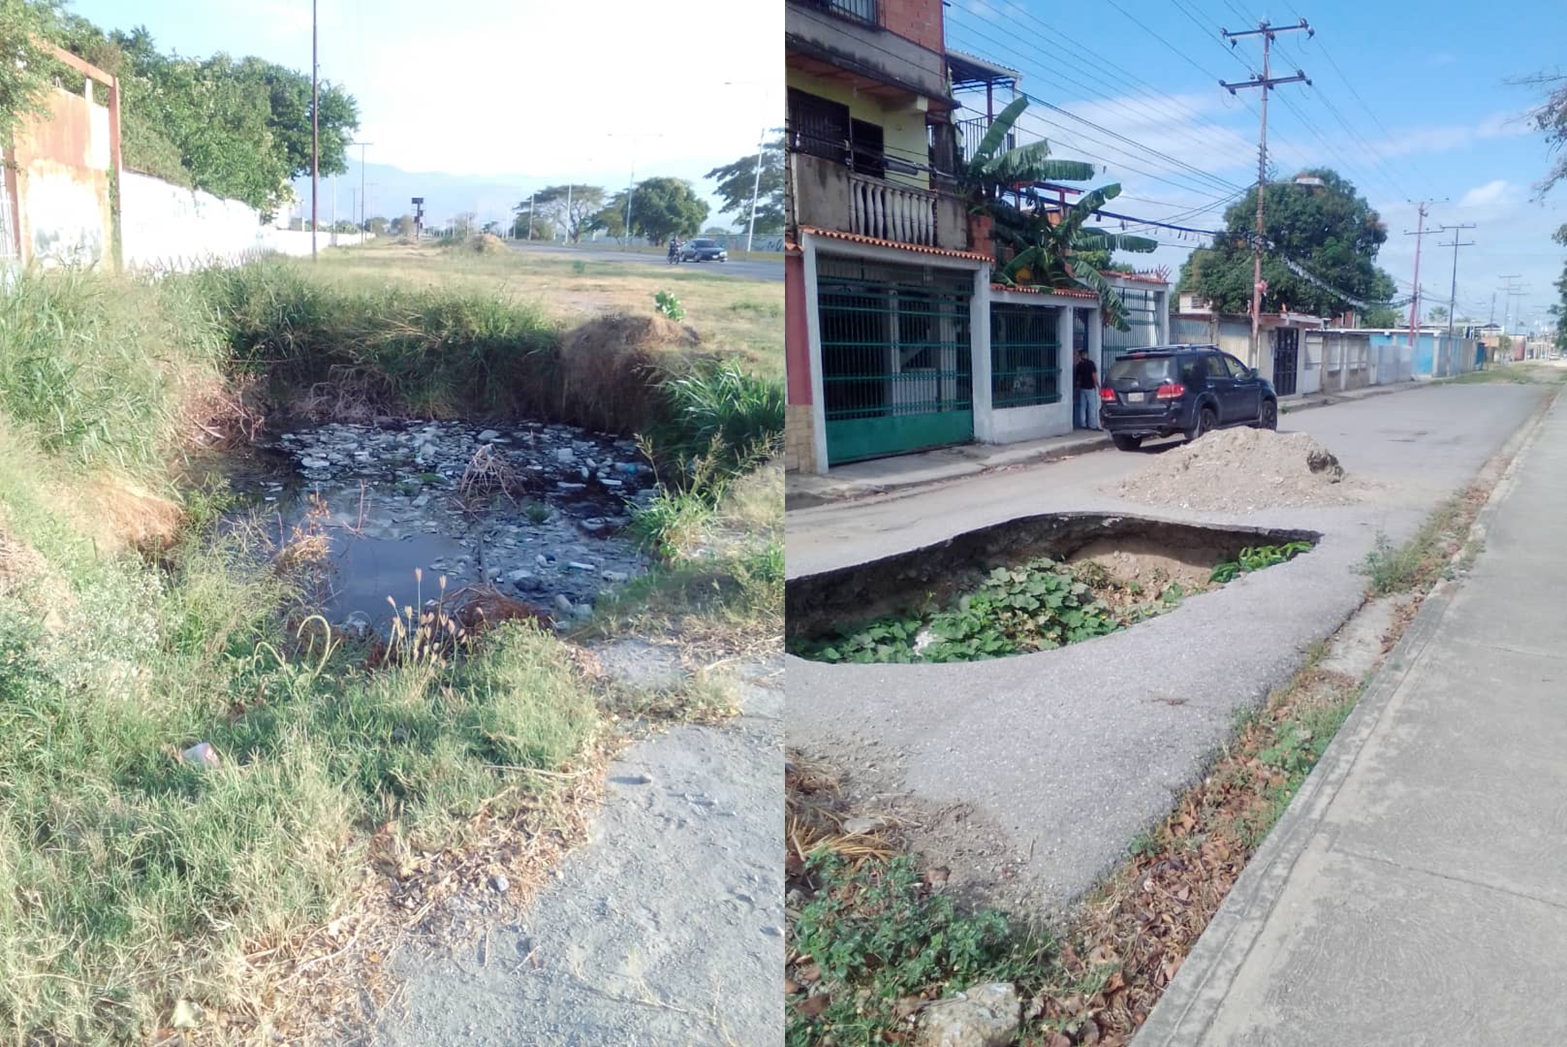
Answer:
(533, 511)
(1020, 586)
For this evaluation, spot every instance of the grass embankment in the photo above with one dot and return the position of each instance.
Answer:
(743, 317)
(140, 890)
(873, 937)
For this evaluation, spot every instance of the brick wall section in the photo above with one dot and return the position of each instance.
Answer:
(916, 20)
(799, 448)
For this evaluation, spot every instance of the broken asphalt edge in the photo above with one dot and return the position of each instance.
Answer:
(1192, 1000)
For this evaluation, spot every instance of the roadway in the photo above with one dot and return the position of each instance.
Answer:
(752, 269)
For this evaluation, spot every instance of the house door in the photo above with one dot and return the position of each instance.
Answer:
(1286, 360)
(896, 358)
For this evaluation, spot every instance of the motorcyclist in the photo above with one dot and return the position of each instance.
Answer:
(674, 248)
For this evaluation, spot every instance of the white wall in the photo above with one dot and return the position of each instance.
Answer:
(168, 227)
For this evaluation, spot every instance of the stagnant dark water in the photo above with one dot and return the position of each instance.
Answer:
(389, 500)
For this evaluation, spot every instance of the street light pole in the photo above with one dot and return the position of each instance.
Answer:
(756, 189)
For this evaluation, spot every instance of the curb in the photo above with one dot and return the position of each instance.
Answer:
(1328, 400)
(1187, 1009)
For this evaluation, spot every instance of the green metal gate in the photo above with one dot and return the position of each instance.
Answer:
(1025, 356)
(896, 357)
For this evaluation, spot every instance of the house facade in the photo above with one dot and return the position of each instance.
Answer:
(896, 338)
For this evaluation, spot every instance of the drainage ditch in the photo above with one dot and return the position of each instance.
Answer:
(531, 511)
(1020, 586)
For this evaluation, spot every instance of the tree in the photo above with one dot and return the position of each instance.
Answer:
(240, 129)
(1438, 314)
(463, 224)
(377, 226)
(665, 207)
(402, 225)
(612, 218)
(736, 181)
(24, 73)
(568, 207)
(1045, 247)
(1382, 316)
(1331, 231)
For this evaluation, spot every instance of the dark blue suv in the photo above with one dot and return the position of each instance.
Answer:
(1187, 389)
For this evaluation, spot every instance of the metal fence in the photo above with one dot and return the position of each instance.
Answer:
(1025, 356)
(896, 368)
(1142, 318)
(858, 10)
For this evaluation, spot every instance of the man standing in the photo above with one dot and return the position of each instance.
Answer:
(1085, 386)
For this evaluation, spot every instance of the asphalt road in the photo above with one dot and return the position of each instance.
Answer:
(749, 269)
(1029, 775)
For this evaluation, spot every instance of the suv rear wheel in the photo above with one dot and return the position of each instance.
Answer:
(1126, 443)
(1203, 423)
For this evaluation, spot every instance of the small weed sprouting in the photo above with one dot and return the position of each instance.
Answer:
(1256, 558)
(669, 306)
(427, 637)
(536, 512)
(579, 267)
(878, 927)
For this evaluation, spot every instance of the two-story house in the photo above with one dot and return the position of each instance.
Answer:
(896, 338)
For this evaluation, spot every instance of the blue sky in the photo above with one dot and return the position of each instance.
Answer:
(525, 93)
(1434, 117)
(515, 92)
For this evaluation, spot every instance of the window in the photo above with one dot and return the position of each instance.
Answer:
(866, 145)
(818, 126)
(1215, 366)
(1025, 357)
(1237, 369)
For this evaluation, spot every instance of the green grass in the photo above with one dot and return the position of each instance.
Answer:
(130, 880)
(1393, 568)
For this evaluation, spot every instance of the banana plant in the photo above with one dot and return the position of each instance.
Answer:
(1049, 245)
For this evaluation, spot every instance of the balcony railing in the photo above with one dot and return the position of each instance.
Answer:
(972, 131)
(891, 212)
(855, 10)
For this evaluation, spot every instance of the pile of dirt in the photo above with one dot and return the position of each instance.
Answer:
(1153, 566)
(608, 368)
(486, 243)
(1238, 470)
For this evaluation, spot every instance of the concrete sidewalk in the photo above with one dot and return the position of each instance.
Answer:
(881, 475)
(1413, 893)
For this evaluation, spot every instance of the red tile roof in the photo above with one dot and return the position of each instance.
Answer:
(1070, 292)
(872, 241)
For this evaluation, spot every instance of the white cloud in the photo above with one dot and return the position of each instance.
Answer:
(1488, 195)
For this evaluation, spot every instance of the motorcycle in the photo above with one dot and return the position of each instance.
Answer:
(674, 255)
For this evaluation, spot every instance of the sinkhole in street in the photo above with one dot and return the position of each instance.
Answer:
(1024, 585)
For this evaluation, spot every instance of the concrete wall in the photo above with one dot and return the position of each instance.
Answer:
(59, 185)
(169, 228)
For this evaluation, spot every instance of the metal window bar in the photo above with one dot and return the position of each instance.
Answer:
(1142, 318)
(1025, 356)
(895, 340)
(857, 10)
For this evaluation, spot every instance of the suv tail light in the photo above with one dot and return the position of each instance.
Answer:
(1106, 394)
(1170, 391)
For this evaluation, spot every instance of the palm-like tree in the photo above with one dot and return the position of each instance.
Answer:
(1046, 247)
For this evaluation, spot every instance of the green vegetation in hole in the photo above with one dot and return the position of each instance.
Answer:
(536, 512)
(1036, 607)
(1256, 558)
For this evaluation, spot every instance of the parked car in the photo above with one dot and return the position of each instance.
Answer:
(1187, 389)
(703, 250)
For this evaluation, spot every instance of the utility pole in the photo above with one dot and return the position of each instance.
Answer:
(315, 127)
(1507, 292)
(1452, 294)
(530, 217)
(1266, 83)
(1492, 318)
(364, 199)
(1419, 233)
(334, 211)
(756, 188)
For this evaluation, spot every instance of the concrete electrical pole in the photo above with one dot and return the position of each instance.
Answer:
(1266, 84)
(1452, 294)
(1419, 233)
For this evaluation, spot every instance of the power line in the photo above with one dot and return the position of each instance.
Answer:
(1452, 296)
